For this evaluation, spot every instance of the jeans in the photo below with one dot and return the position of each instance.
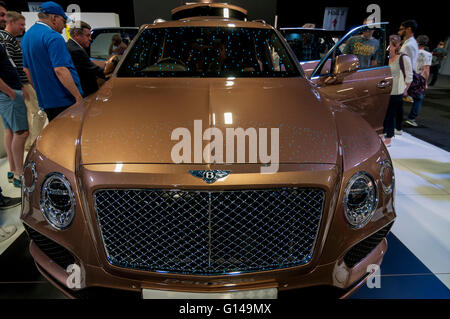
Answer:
(394, 115)
(416, 107)
(434, 72)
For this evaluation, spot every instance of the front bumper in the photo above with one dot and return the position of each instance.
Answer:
(352, 279)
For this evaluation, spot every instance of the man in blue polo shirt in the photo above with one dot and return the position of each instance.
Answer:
(48, 63)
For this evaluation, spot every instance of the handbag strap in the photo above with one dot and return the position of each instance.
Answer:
(402, 65)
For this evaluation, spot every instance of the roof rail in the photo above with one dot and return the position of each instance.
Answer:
(260, 21)
(209, 8)
(158, 20)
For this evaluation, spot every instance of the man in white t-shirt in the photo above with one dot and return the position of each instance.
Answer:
(424, 59)
(409, 47)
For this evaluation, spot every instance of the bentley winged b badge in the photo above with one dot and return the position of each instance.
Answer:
(210, 176)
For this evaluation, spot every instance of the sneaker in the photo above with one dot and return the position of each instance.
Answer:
(7, 231)
(9, 202)
(10, 177)
(17, 183)
(408, 99)
(398, 132)
(412, 122)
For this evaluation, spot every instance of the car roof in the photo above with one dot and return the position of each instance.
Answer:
(188, 6)
(209, 8)
(208, 21)
(116, 28)
(301, 28)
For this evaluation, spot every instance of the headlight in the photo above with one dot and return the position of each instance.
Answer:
(57, 201)
(387, 177)
(361, 199)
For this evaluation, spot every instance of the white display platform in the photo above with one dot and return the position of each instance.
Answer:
(94, 19)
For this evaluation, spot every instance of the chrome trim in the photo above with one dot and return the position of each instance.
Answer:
(211, 175)
(32, 166)
(387, 189)
(346, 194)
(44, 200)
(374, 68)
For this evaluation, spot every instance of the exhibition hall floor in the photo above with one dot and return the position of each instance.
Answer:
(417, 263)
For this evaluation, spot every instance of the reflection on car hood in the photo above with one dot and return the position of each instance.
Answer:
(132, 120)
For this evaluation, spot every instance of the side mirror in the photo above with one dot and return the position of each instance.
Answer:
(344, 65)
(111, 64)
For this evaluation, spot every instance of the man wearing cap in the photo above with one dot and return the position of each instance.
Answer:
(48, 63)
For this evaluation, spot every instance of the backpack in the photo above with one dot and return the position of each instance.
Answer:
(418, 84)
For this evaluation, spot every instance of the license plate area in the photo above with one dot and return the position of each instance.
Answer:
(267, 293)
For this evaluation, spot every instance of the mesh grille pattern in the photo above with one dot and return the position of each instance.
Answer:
(209, 233)
(363, 248)
(54, 251)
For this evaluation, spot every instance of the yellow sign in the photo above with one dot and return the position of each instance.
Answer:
(67, 31)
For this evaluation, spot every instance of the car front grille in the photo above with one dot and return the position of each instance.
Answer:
(209, 232)
(364, 247)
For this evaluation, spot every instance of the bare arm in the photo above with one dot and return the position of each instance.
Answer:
(5, 88)
(426, 72)
(408, 73)
(27, 72)
(66, 79)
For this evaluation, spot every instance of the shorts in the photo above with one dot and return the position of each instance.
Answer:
(14, 112)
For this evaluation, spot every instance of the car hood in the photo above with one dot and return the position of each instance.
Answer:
(133, 120)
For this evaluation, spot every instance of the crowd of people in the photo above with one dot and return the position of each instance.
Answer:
(40, 77)
(411, 65)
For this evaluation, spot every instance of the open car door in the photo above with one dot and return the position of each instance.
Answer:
(356, 72)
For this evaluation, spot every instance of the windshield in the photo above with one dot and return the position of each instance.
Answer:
(208, 52)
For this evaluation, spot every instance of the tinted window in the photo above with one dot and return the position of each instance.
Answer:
(208, 52)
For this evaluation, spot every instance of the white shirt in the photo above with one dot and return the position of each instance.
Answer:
(411, 48)
(424, 58)
(398, 80)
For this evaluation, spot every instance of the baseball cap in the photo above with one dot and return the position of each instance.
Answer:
(51, 7)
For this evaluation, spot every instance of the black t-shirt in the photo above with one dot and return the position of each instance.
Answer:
(8, 72)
